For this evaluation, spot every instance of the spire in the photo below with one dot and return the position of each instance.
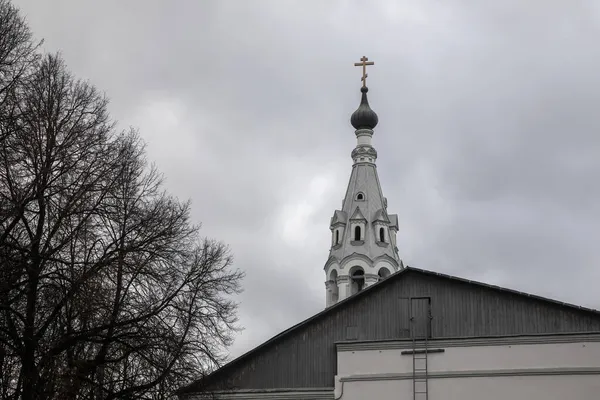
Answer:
(363, 244)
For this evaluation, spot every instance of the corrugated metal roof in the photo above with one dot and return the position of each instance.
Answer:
(344, 303)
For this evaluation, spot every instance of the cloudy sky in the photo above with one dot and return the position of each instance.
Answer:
(488, 141)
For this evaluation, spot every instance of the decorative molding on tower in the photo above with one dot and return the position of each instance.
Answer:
(363, 246)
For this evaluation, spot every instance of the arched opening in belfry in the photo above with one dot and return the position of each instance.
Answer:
(357, 233)
(357, 278)
(337, 236)
(334, 287)
(381, 234)
(383, 273)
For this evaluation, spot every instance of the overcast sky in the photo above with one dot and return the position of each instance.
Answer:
(488, 141)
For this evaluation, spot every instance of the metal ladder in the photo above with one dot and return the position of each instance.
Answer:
(420, 369)
(420, 347)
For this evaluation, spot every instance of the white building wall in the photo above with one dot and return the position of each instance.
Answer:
(554, 370)
(550, 387)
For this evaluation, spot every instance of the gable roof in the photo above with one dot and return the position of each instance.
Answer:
(366, 292)
(393, 221)
(380, 215)
(339, 217)
(358, 215)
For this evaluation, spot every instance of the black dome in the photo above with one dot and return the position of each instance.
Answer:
(364, 117)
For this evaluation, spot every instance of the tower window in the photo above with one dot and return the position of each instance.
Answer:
(360, 196)
(381, 235)
(383, 273)
(357, 233)
(357, 280)
(337, 236)
(334, 294)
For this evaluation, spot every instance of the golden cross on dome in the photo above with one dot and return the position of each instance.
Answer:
(364, 64)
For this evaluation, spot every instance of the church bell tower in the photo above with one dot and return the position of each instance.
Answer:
(363, 234)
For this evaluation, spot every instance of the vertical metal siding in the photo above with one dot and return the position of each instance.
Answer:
(307, 357)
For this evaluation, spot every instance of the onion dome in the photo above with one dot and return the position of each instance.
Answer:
(364, 117)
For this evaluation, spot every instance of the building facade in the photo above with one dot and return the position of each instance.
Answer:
(393, 332)
(546, 367)
(427, 336)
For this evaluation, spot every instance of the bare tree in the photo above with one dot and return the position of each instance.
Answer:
(17, 57)
(17, 50)
(106, 288)
(17, 54)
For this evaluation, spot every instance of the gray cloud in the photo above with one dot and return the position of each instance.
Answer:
(487, 138)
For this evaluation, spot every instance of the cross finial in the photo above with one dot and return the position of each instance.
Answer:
(364, 64)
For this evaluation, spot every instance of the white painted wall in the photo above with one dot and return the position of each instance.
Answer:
(514, 370)
(576, 387)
